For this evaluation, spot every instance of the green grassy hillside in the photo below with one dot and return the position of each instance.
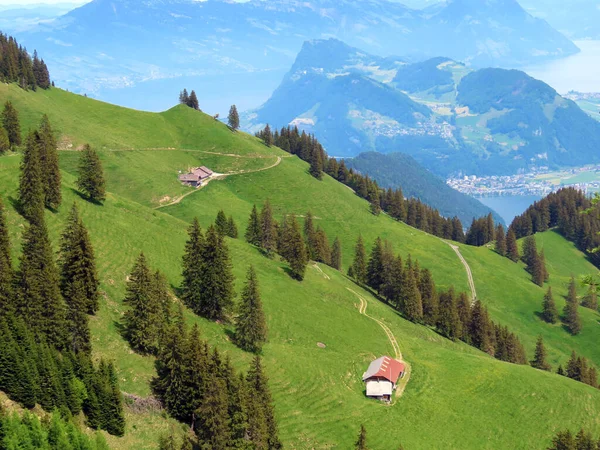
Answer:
(457, 397)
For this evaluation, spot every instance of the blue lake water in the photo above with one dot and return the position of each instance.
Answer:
(579, 72)
(510, 206)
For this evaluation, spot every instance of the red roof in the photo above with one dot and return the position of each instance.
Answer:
(384, 367)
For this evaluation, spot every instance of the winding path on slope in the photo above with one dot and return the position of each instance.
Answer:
(362, 309)
(467, 269)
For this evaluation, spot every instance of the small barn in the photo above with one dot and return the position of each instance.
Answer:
(382, 376)
(196, 176)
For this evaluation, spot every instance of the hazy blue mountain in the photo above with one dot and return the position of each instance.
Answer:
(16, 18)
(456, 120)
(400, 170)
(122, 49)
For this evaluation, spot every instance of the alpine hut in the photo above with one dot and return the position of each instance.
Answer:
(196, 176)
(381, 377)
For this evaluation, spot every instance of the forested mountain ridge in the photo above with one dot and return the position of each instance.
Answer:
(318, 342)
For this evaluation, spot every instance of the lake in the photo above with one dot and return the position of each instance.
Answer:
(578, 72)
(510, 206)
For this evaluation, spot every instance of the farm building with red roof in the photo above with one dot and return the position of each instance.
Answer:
(381, 377)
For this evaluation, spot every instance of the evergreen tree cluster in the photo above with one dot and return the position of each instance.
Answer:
(295, 245)
(27, 431)
(199, 386)
(90, 180)
(190, 99)
(579, 369)
(17, 66)
(411, 290)
(207, 286)
(225, 226)
(565, 440)
(33, 372)
(149, 312)
(410, 211)
(563, 210)
(481, 232)
(535, 262)
(40, 180)
(571, 317)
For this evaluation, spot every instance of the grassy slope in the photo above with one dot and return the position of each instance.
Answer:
(318, 391)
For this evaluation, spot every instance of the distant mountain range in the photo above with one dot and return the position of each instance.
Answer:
(451, 119)
(220, 47)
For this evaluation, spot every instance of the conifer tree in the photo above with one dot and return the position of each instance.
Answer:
(10, 122)
(48, 155)
(480, 328)
(215, 288)
(193, 101)
(213, 429)
(322, 250)
(77, 264)
(267, 136)
(295, 249)
(253, 231)
(500, 241)
(31, 189)
(191, 288)
(316, 164)
(113, 406)
(549, 313)
(512, 249)
(545, 275)
(184, 97)
(142, 321)
(336, 255)
(448, 321)
(375, 266)
(91, 175)
(530, 254)
(6, 268)
(38, 294)
(571, 313)
(4, 142)
(589, 301)
(258, 387)
(251, 326)
(539, 359)
(359, 265)
(564, 440)
(429, 298)
(361, 443)
(268, 229)
(310, 235)
(412, 305)
(232, 230)
(463, 306)
(234, 118)
(221, 224)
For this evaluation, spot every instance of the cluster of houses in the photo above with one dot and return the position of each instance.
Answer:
(381, 378)
(196, 177)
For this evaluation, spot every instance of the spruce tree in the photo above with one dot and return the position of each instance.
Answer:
(310, 235)
(215, 287)
(589, 301)
(191, 287)
(142, 321)
(91, 175)
(48, 155)
(375, 266)
(10, 122)
(234, 118)
(268, 229)
(316, 165)
(549, 313)
(253, 231)
(571, 313)
(77, 263)
(4, 142)
(38, 294)
(359, 265)
(193, 101)
(361, 443)
(322, 251)
(258, 387)
(512, 249)
(6, 268)
(221, 224)
(213, 429)
(480, 328)
(113, 406)
(336, 255)
(267, 136)
(530, 254)
(251, 326)
(463, 307)
(412, 305)
(448, 322)
(500, 241)
(31, 189)
(539, 359)
(295, 249)
(232, 230)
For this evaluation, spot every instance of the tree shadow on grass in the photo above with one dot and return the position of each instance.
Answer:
(85, 197)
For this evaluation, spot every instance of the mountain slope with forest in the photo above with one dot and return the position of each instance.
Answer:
(317, 389)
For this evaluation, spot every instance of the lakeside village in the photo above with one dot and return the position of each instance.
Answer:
(540, 182)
